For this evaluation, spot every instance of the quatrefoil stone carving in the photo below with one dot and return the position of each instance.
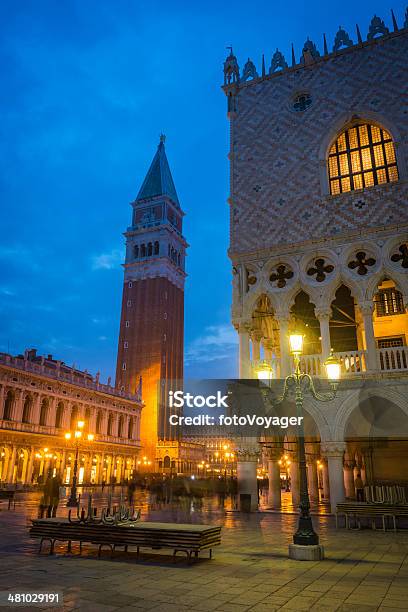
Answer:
(281, 275)
(320, 270)
(361, 263)
(402, 256)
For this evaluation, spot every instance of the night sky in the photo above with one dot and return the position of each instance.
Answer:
(87, 88)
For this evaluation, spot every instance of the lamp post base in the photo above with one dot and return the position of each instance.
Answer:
(306, 553)
(72, 502)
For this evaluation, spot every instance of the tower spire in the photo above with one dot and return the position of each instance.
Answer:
(159, 181)
(293, 56)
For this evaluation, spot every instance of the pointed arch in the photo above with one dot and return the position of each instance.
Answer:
(347, 120)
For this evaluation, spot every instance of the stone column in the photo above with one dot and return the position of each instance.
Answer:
(30, 466)
(285, 366)
(294, 483)
(247, 463)
(101, 465)
(323, 316)
(367, 309)
(256, 346)
(325, 478)
(17, 412)
(312, 481)
(334, 452)
(244, 352)
(11, 465)
(349, 477)
(62, 464)
(36, 409)
(274, 493)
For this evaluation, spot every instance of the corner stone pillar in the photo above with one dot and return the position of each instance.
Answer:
(244, 352)
(334, 453)
(247, 463)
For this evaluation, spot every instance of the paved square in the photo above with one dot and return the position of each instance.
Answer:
(363, 570)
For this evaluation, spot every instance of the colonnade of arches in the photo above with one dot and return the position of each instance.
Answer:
(31, 465)
(28, 408)
(353, 327)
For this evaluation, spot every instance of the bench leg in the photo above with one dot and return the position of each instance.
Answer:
(69, 547)
(210, 553)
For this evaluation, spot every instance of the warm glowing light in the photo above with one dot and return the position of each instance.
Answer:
(78, 434)
(90, 437)
(333, 368)
(296, 343)
(68, 435)
(81, 424)
(45, 450)
(264, 371)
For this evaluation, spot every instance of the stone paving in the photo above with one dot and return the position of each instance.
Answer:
(363, 570)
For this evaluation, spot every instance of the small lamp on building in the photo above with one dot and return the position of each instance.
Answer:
(264, 371)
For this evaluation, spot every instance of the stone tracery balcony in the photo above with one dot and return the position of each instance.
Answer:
(353, 363)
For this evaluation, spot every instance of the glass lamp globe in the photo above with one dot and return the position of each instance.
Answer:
(264, 371)
(296, 343)
(333, 368)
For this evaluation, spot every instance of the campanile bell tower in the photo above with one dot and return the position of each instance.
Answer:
(152, 318)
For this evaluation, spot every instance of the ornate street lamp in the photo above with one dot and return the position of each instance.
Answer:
(300, 382)
(76, 436)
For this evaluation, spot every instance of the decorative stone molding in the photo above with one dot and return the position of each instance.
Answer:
(333, 449)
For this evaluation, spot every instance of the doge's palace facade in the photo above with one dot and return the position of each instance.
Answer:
(319, 229)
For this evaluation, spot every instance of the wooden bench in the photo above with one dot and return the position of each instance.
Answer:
(355, 511)
(186, 538)
(9, 495)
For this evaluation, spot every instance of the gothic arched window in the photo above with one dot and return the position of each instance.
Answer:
(362, 156)
(136, 251)
(143, 250)
(156, 248)
(149, 249)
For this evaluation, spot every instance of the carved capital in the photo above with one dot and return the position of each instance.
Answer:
(333, 449)
(247, 453)
(366, 308)
(323, 313)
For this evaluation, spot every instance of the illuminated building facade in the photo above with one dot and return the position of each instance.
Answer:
(42, 399)
(319, 234)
